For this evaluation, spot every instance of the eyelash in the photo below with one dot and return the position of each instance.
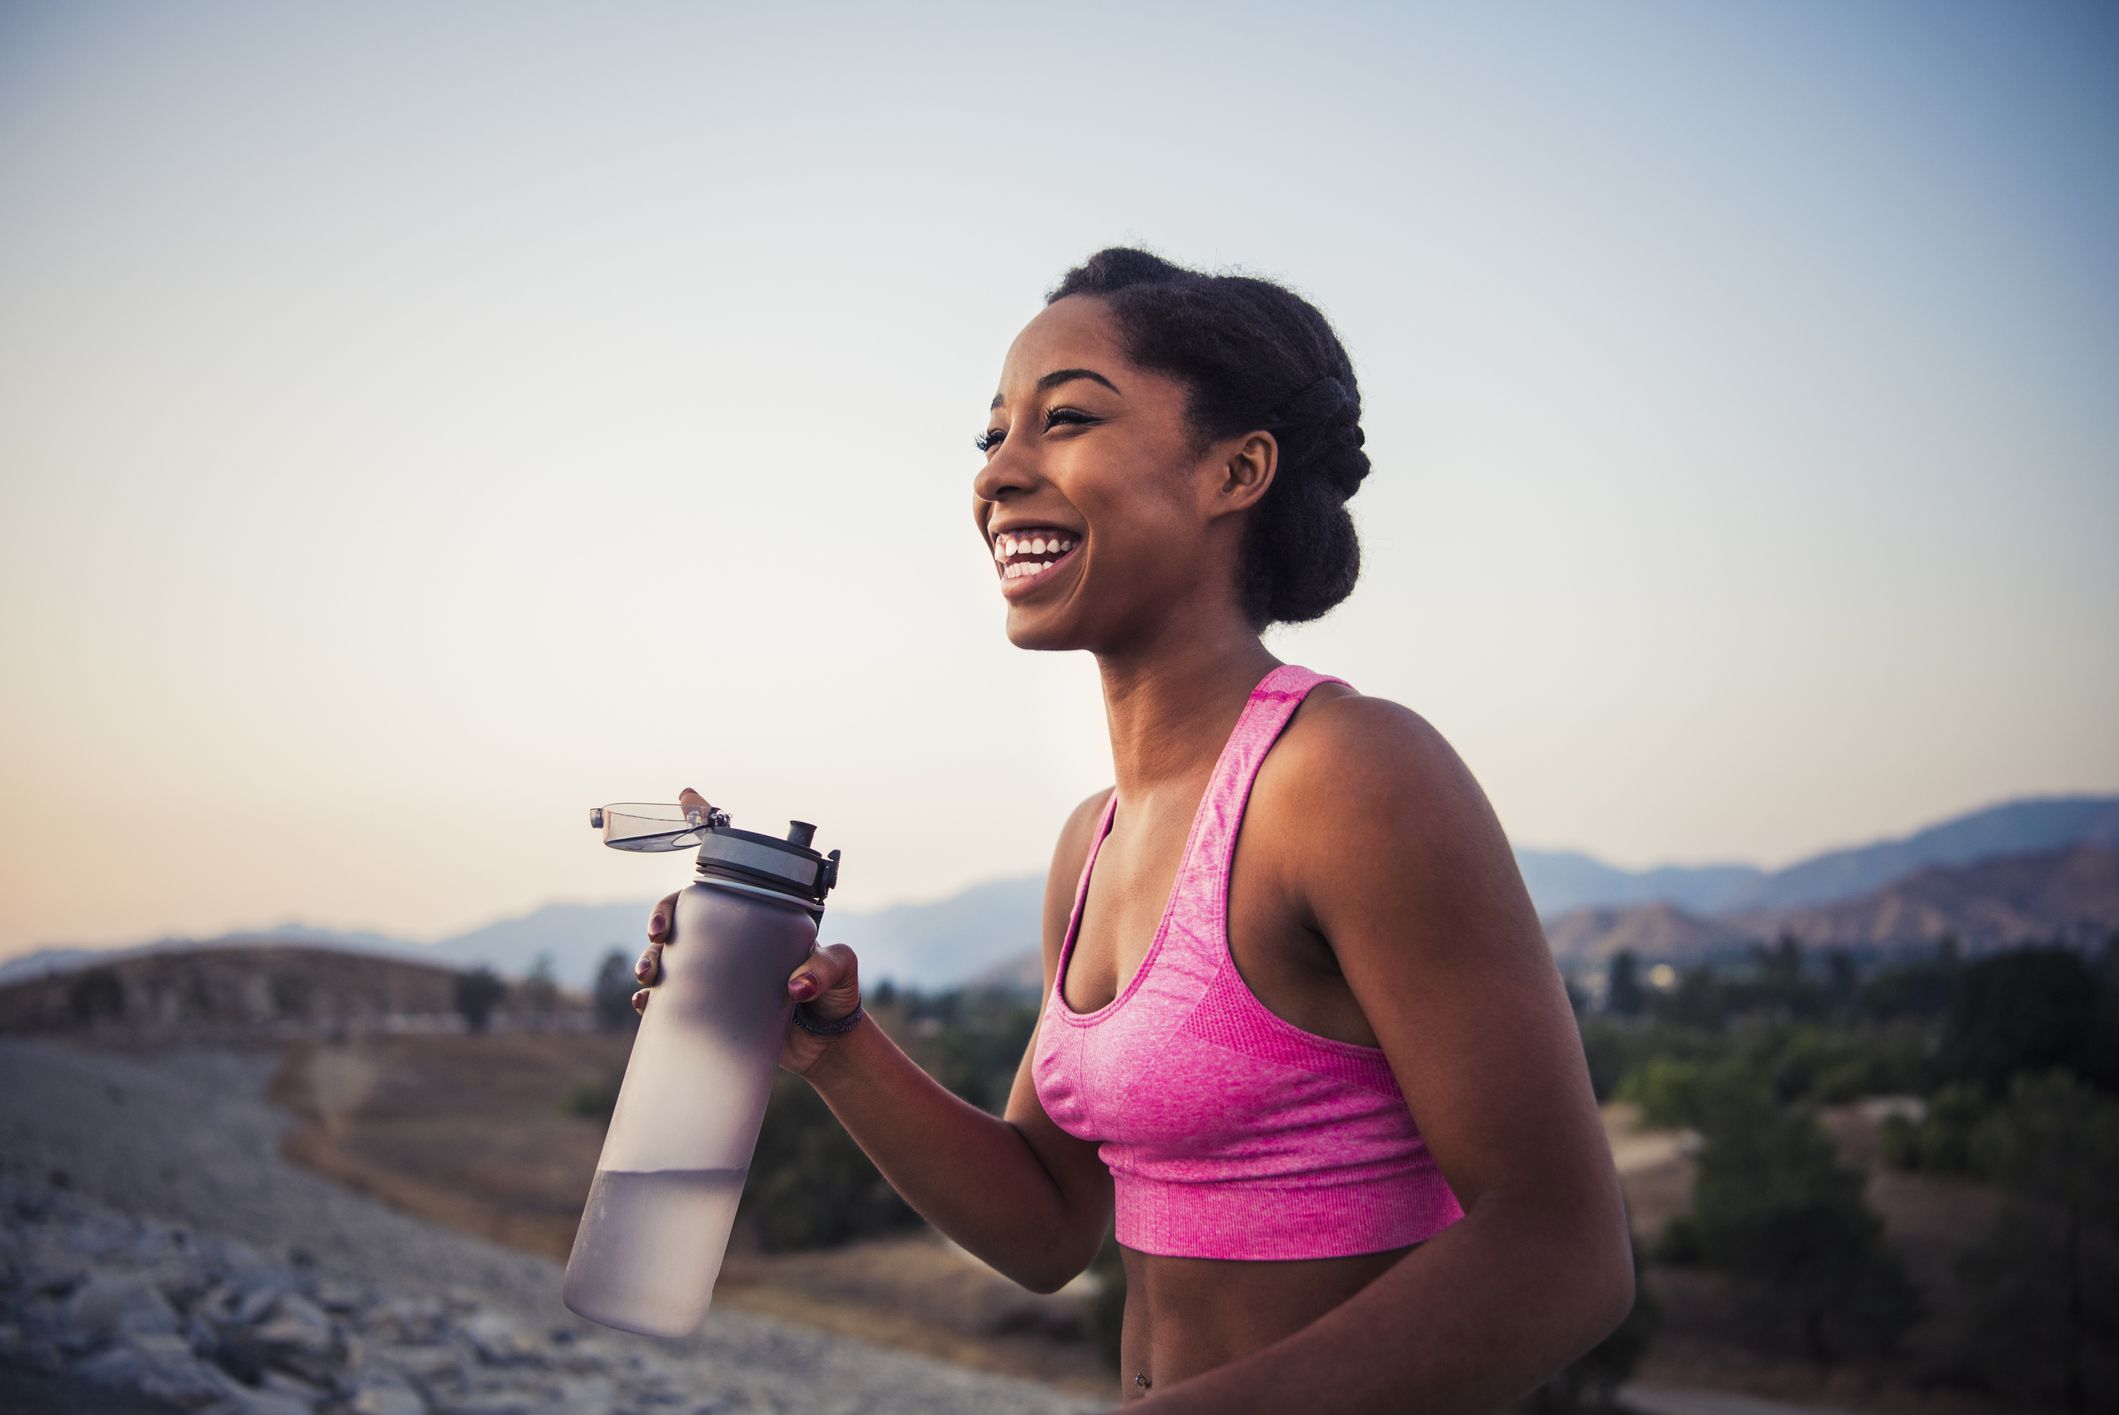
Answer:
(991, 437)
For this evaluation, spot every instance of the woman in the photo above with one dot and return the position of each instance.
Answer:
(1291, 928)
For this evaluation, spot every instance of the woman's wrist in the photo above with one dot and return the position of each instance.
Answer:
(836, 1027)
(838, 1057)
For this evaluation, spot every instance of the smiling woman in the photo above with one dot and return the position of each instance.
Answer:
(1303, 1041)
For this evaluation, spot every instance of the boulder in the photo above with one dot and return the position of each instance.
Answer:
(160, 1367)
(113, 1305)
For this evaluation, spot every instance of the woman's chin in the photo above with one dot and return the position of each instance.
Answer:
(1037, 627)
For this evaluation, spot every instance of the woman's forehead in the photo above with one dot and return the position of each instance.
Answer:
(1071, 333)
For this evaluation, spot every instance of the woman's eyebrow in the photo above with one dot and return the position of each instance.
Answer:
(1064, 375)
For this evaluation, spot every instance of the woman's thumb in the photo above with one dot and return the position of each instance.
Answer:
(831, 972)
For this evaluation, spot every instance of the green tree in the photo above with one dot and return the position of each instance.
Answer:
(1843, 978)
(1674, 1092)
(1774, 1206)
(615, 986)
(2041, 1322)
(539, 992)
(2027, 1010)
(1624, 997)
(1698, 1000)
(2056, 1144)
(477, 993)
(1941, 1141)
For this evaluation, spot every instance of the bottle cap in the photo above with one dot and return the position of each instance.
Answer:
(786, 866)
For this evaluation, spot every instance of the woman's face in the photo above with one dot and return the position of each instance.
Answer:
(1093, 487)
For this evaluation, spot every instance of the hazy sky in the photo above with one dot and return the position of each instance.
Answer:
(420, 423)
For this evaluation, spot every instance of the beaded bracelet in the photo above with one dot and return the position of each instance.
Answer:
(829, 1029)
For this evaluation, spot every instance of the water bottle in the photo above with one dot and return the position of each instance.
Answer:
(659, 1212)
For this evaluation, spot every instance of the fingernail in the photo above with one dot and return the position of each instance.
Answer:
(642, 968)
(804, 986)
(654, 925)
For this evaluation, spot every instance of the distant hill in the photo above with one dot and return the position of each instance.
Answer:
(1559, 880)
(1590, 908)
(2027, 827)
(292, 984)
(1658, 932)
(2071, 894)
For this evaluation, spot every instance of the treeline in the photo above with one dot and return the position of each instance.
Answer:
(2008, 1070)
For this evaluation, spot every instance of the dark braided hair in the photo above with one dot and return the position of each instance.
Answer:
(1254, 355)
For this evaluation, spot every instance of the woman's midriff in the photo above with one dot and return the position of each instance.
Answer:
(1188, 1315)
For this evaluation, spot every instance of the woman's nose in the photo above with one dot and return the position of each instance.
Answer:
(1004, 472)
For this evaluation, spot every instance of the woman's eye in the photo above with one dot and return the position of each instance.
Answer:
(991, 437)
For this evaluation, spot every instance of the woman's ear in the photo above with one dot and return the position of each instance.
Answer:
(1247, 471)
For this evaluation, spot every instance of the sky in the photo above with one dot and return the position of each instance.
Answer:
(419, 424)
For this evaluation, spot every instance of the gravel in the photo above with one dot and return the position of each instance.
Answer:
(158, 1249)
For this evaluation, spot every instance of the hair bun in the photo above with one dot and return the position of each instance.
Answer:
(1324, 415)
(1319, 402)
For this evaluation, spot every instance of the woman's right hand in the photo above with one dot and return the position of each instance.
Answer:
(827, 981)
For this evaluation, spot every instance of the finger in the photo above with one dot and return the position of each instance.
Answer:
(658, 924)
(649, 967)
(640, 1001)
(830, 967)
(692, 801)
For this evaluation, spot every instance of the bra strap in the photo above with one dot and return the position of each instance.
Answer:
(1213, 845)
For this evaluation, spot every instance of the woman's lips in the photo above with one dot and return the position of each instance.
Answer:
(1031, 584)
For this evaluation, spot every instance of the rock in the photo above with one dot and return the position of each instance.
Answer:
(47, 1268)
(300, 1338)
(377, 1399)
(429, 1366)
(493, 1402)
(113, 1305)
(590, 1395)
(261, 1402)
(258, 1291)
(293, 1387)
(343, 1298)
(497, 1340)
(160, 1367)
(421, 1321)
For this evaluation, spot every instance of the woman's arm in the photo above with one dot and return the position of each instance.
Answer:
(1029, 1199)
(1402, 866)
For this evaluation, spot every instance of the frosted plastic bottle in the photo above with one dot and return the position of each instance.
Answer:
(656, 1226)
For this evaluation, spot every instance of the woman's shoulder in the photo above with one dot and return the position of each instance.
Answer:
(1367, 794)
(1339, 732)
(1351, 756)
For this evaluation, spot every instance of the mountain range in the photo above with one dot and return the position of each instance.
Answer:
(2033, 868)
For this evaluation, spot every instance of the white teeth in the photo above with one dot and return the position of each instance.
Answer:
(1037, 546)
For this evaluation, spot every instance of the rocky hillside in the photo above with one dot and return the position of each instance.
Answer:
(2071, 894)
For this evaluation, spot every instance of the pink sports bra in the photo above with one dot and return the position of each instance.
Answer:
(1229, 1131)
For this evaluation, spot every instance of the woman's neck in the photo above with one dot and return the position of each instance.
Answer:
(1171, 708)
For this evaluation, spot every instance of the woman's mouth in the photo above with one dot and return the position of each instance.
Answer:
(1033, 558)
